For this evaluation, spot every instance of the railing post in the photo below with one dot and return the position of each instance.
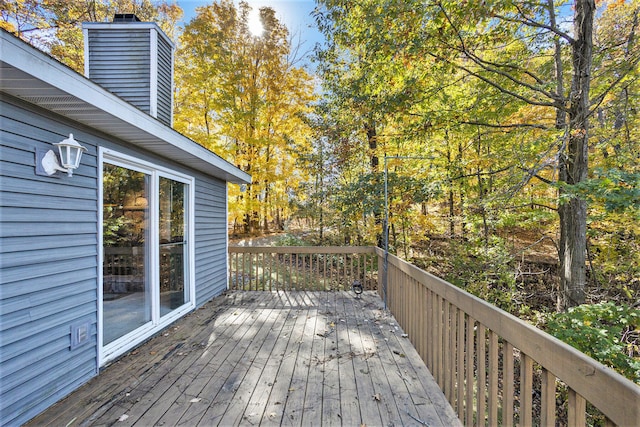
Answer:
(385, 277)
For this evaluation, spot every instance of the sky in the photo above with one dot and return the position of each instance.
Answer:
(295, 14)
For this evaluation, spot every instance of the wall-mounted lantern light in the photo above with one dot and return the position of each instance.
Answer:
(69, 152)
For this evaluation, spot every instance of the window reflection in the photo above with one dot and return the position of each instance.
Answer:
(172, 245)
(126, 296)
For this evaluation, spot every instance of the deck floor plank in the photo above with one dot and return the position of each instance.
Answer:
(294, 406)
(313, 401)
(189, 394)
(257, 359)
(349, 403)
(284, 364)
(152, 388)
(369, 405)
(221, 373)
(224, 412)
(262, 358)
(219, 344)
(373, 334)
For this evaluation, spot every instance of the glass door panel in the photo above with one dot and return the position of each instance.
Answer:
(126, 296)
(173, 293)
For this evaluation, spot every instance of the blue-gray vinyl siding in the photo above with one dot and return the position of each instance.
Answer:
(119, 61)
(49, 257)
(211, 239)
(165, 84)
(49, 264)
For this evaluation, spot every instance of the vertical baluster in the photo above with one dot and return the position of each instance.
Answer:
(446, 350)
(526, 389)
(508, 385)
(304, 272)
(438, 342)
(331, 262)
(411, 300)
(460, 369)
(345, 261)
(310, 276)
(482, 374)
(493, 378)
(251, 256)
(233, 273)
(292, 272)
(359, 264)
(260, 272)
(265, 271)
(269, 267)
(314, 272)
(548, 409)
(369, 272)
(577, 409)
(256, 271)
(325, 280)
(453, 329)
(278, 267)
(469, 353)
(420, 333)
(243, 270)
(415, 309)
(351, 274)
(428, 325)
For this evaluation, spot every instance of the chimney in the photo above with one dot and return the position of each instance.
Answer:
(133, 60)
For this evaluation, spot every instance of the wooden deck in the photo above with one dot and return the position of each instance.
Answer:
(266, 358)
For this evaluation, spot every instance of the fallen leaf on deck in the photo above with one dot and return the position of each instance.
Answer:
(377, 397)
(195, 400)
(123, 417)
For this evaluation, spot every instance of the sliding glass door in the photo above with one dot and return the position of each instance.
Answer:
(146, 280)
(126, 288)
(173, 245)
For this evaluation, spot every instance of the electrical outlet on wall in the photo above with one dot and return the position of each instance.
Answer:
(80, 333)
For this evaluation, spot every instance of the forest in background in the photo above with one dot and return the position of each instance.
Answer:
(507, 132)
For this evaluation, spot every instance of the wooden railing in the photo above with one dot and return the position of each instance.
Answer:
(494, 368)
(302, 268)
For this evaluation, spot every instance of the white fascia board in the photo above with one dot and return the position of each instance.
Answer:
(28, 59)
(129, 26)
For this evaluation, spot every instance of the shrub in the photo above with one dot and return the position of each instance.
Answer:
(608, 332)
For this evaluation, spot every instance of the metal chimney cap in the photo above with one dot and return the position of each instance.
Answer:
(125, 17)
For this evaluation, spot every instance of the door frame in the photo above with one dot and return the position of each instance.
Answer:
(130, 340)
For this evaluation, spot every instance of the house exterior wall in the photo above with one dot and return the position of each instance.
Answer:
(49, 257)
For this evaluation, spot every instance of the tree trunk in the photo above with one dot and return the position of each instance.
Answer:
(573, 161)
(451, 199)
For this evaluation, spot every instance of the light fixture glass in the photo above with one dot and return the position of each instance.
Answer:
(70, 153)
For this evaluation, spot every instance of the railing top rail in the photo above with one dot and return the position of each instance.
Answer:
(616, 396)
(304, 249)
